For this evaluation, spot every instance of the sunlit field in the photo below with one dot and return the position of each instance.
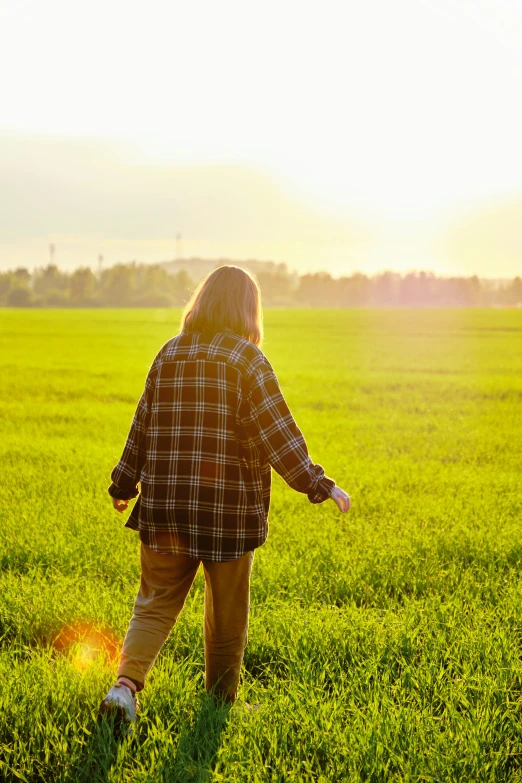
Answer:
(384, 645)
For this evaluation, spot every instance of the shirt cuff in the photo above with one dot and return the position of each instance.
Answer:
(323, 490)
(121, 494)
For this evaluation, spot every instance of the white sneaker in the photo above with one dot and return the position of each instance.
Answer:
(121, 703)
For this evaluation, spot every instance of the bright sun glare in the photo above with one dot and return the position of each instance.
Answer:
(86, 645)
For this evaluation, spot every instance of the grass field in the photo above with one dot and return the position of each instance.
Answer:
(384, 645)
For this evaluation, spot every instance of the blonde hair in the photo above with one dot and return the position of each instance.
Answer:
(229, 297)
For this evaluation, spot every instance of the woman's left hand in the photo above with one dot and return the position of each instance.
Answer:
(341, 498)
(120, 505)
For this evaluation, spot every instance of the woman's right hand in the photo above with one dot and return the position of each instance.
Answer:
(120, 505)
(342, 499)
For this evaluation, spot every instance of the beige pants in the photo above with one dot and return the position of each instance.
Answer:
(165, 583)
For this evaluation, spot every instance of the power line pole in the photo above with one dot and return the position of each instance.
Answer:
(178, 247)
(51, 253)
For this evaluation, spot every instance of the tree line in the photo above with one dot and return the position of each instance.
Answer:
(122, 285)
(151, 285)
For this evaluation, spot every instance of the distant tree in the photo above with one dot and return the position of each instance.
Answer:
(513, 293)
(181, 288)
(118, 285)
(488, 294)
(277, 285)
(417, 289)
(50, 278)
(19, 296)
(473, 292)
(318, 290)
(354, 291)
(82, 286)
(386, 289)
(22, 276)
(17, 290)
(460, 291)
(6, 279)
(153, 286)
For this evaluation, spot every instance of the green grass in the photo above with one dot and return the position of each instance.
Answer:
(384, 645)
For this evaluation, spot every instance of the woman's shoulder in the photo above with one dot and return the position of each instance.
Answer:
(248, 356)
(174, 345)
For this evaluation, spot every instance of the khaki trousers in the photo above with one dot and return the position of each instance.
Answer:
(165, 583)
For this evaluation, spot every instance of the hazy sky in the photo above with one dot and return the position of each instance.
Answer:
(343, 135)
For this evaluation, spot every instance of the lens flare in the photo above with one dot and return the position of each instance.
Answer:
(87, 645)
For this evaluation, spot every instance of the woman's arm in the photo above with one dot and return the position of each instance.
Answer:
(271, 426)
(126, 474)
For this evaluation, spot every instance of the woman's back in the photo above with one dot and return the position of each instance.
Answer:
(204, 490)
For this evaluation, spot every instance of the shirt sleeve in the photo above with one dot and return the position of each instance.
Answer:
(126, 474)
(271, 426)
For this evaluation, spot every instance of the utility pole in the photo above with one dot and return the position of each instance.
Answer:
(100, 264)
(178, 247)
(51, 253)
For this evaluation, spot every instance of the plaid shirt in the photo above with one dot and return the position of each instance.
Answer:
(208, 427)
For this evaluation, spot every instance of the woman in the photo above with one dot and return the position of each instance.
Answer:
(209, 426)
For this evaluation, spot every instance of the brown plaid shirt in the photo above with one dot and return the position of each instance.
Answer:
(208, 427)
